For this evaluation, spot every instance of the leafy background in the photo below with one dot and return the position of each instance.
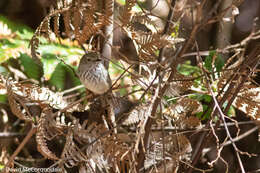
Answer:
(15, 53)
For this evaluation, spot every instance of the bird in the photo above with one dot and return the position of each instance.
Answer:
(93, 74)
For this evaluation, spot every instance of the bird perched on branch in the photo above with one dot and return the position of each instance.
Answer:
(93, 74)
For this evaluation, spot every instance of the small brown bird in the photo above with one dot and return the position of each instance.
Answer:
(93, 74)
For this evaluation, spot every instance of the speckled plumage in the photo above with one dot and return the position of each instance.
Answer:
(93, 73)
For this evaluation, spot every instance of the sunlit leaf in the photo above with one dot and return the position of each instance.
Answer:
(3, 98)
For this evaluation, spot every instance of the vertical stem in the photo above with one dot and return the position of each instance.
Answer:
(108, 42)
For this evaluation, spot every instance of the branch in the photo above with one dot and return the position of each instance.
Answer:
(149, 122)
(107, 50)
(20, 147)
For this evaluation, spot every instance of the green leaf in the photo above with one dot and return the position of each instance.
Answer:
(206, 115)
(188, 69)
(208, 61)
(31, 69)
(207, 98)
(231, 112)
(49, 64)
(25, 34)
(3, 98)
(63, 77)
(8, 44)
(202, 97)
(219, 63)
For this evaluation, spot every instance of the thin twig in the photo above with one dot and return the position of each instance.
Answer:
(20, 147)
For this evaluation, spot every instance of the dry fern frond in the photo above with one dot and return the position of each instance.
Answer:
(94, 148)
(178, 144)
(33, 93)
(143, 23)
(43, 148)
(126, 14)
(88, 135)
(89, 26)
(67, 23)
(119, 153)
(191, 122)
(93, 5)
(248, 101)
(17, 108)
(49, 127)
(34, 43)
(17, 103)
(74, 13)
(183, 107)
(108, 11)
(137, 114)
(44, 132)
(148, 44)
(175, 146)
(77, 22)
(179, 85)
(46, 30)
(71, 154)
(56, 20)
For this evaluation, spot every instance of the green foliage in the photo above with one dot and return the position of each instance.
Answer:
(189, 70)
(205, 100)
(14, 26)
(31, 69)
(231, 111)
(49, 64)
(206, 114)
(63, 77)
(13, 46)
(16, 38)
(176, 30)
(214, 60)
(3, 98)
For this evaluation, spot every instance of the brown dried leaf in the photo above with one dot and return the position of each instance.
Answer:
(71, 152)
(183, 107)
(148, 44)
(41, 139)
(89, 27)
(248, 101)
(56, 25)
(137, 114)
(126, 14)
(77, 22)
(67, 23)
(17, 104)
